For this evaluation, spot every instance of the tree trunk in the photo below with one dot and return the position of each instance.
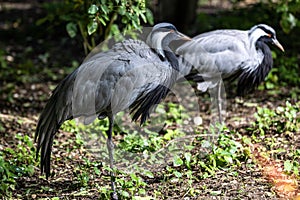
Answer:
(178, 12)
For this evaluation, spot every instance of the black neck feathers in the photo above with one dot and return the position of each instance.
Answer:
(170, 56)
(251, 78)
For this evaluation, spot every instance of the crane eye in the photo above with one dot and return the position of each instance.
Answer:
(269, 35)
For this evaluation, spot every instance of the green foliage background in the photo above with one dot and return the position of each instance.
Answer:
(97, 20)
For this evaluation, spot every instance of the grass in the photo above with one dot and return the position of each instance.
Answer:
(283, 119)
(200, 160)
(15, 162)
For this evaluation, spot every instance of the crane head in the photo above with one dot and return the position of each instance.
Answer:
(168, 31)
(265, 34)
(162, 35)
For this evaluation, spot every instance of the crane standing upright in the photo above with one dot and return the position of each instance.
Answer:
(228, 54)
(133, 74)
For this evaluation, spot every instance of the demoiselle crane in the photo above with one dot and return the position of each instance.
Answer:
(132, 74)
(229, 54)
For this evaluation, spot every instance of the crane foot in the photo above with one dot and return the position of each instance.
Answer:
(114, 196)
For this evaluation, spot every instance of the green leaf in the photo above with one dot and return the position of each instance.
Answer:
(205, 144)
(288, 22)
(134, 177)
(143, 191)
(101, 20)
(149, 16)
(92, 27)
(228, 159)
(149, 174)
(217, 192)
(122, 10)
(135, 22)
(125, 194)
(188, 156)
(41, 21)
(104, 9)
(177, 174)
(97, 171)
(288, 166)
(93, 9)
(177, 161)
(169, 134)
(270, 85)
(143, 17)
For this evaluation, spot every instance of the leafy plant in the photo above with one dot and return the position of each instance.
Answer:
(97, 20)
(291, 166)
(282, 120)
(288, 71)
(136, 142)
(285, 74)
(12, 71)
(15, 163)
(226, 153)
(7, 172)
(289, 11)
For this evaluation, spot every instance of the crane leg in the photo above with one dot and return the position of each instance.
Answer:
(110, 147)
(217, 94)
(221, 103)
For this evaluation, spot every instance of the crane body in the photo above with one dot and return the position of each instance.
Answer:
(212, 57)
(131, 75)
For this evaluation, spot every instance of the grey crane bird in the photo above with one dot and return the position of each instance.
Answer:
(229, 54)
(132, 74)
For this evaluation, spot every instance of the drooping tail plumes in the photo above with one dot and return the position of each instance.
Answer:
(57, 110)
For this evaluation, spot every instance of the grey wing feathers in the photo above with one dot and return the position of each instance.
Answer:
(232, 41)
(228, 46)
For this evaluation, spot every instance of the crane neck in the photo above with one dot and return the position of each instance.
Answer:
(267, 61)
(251, 78)
(254, 35)
(171, 57)
(173, 60)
